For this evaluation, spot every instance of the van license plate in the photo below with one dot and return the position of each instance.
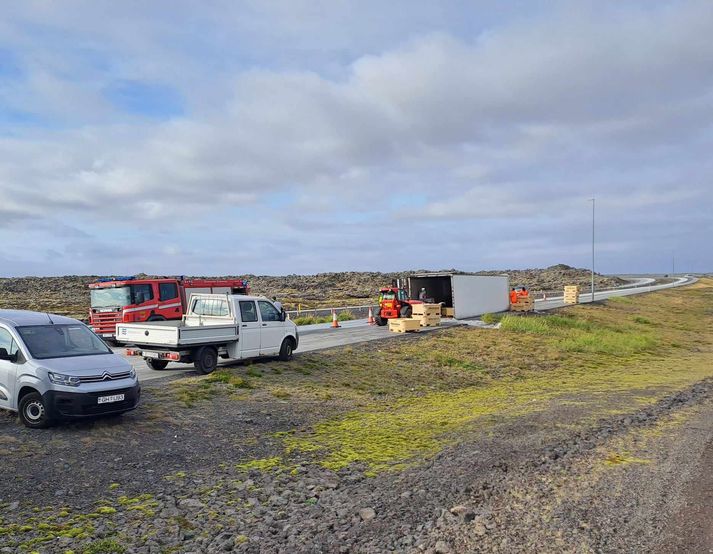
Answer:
(112, 398)
(153, 355)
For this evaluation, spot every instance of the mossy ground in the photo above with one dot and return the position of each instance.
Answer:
(411, 399)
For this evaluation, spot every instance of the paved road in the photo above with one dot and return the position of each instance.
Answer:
(319, 337)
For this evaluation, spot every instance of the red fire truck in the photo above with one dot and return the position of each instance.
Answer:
(129, 300)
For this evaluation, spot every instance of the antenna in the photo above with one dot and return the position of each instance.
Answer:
(48, 317)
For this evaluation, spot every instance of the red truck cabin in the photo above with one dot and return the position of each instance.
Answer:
(129, 300)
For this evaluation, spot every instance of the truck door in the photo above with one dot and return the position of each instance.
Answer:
(8, 370)
(272, 329)
(249, 329)
(169, 301)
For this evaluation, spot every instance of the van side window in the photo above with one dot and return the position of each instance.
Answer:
(167, 291)
(7, 342)
(268, 312)
(248, 313)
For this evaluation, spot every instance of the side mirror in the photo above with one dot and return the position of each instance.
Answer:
(5, 356)
(283, 315)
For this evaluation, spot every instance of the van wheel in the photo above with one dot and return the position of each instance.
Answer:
(33, 412)
(205, 359)
(158, 365)
(286, 350)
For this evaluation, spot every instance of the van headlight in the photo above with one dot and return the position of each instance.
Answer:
(61, 379)
(132, 373)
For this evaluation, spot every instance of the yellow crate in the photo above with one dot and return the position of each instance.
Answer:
(572, 288)
(404, 325)
(448, 312)
(426, 309)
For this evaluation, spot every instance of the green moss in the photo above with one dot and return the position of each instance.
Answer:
(105, 546)
(262, 464)
(106, 510)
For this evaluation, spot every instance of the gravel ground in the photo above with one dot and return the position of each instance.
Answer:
(164, 479)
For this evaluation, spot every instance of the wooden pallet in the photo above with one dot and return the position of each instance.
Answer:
(523, 304)
(448, 312)
(429, 321)
(404, 325)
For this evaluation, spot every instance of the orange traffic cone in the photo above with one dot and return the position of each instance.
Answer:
(335, 322)
(371, 320)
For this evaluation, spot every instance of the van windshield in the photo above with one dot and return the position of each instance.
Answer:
(61, 341)
(117, 297)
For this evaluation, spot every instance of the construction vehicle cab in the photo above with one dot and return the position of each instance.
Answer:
(394, 302)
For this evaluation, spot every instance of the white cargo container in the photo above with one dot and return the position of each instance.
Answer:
(468, 295)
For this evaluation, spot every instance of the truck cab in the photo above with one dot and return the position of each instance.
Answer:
(215, 326)
(129, 299)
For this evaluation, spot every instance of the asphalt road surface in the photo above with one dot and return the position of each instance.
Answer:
(322, 336)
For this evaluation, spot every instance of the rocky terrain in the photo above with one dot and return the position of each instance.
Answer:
(68, 295)
(463, 440)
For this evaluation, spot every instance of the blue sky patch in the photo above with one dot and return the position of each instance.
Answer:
(145, 99)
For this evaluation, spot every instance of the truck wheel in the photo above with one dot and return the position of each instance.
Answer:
(156, 318)
(33, 412)
(381, 321)
(286, 350)
(205, 359)
(157, 365)
(406, 310)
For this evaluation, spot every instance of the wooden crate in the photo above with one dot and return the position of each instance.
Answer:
(404, 325)
(426, 309)
(429, 320)
(572, 289)
(570, 298)
(523, 304)
(448, 312)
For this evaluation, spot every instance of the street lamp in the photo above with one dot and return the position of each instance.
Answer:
(592, 199)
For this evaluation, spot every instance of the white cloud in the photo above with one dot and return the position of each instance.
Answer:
(521, 121)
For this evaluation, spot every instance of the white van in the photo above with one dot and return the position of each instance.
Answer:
(216, 326)
(53, 366)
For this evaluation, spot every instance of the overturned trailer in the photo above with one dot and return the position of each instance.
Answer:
(468, 295)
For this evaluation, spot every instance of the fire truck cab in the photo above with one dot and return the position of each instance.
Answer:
(131, 300)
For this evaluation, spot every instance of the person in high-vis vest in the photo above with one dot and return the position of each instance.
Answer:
(513, 296)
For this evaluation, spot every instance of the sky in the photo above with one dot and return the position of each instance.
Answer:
(279, 137)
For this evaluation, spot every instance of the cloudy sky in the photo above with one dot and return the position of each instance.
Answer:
(303, 136)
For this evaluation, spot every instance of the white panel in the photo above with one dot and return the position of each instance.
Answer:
(475, 295)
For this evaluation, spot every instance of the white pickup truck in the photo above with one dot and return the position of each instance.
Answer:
(215, 326)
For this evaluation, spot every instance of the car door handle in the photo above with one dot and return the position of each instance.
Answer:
(245, 324)
(264, 324)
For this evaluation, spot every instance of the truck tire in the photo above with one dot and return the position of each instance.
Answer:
(205, 359)
(33, 412)
(156, 318)
(156, 365)
(406, 310)
(286, 350)
(381, 321)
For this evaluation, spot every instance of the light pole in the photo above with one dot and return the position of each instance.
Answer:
(592, 199)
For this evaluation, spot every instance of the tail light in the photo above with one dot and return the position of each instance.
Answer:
(175, 356)
(132, 352)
